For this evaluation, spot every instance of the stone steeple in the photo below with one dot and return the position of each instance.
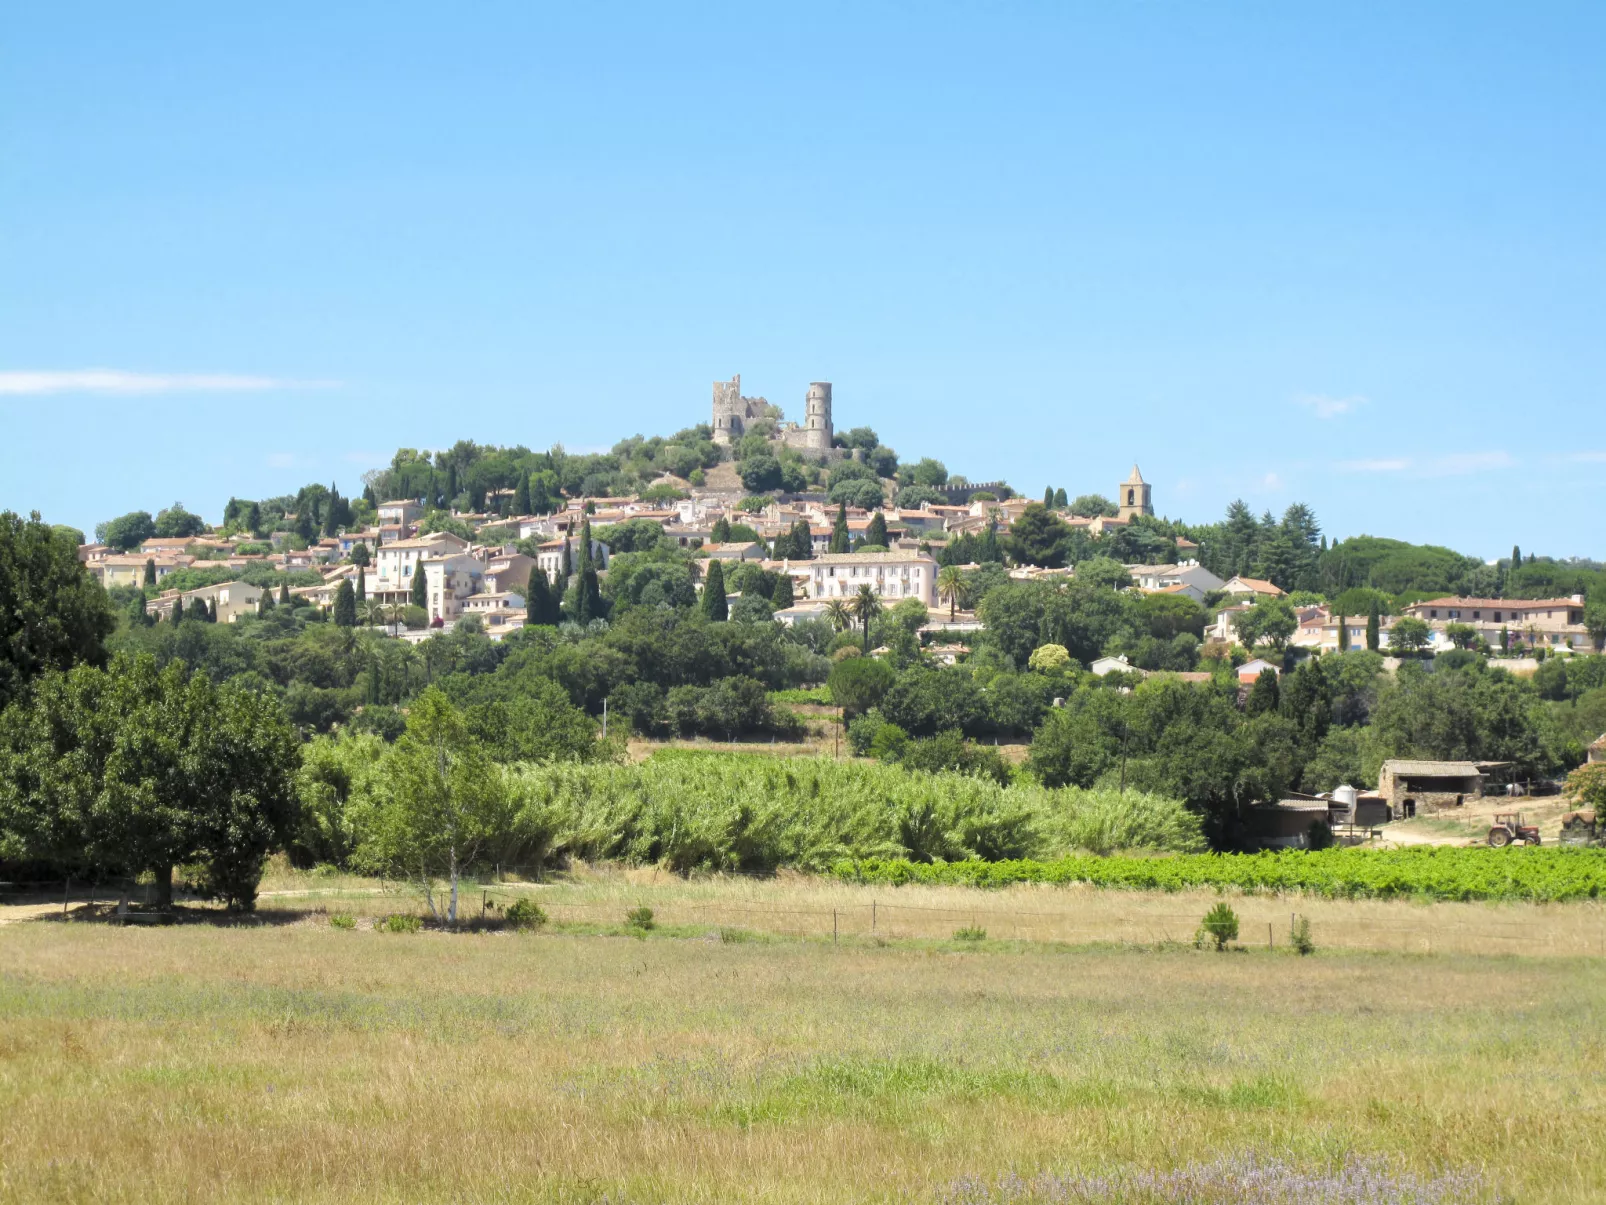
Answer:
(1132, 496)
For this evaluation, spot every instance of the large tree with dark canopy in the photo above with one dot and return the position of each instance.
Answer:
(52, 613)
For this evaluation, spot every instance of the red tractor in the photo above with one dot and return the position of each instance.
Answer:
(1512, 826)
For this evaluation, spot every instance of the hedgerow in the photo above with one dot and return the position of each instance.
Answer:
(1426, 872)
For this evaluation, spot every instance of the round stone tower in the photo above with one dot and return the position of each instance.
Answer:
(817, 416)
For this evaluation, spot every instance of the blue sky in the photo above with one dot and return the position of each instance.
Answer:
(1352, 255)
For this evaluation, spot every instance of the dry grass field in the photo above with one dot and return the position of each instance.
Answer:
(707, 1061)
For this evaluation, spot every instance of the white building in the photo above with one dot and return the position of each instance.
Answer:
(392, 577)
(893, 576)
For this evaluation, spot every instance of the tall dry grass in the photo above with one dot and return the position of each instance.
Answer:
(298, 1062)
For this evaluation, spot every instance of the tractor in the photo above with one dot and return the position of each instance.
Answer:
(1512, 826)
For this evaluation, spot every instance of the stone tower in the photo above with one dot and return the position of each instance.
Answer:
(1132, 497)
(817, 433)
(729, 410)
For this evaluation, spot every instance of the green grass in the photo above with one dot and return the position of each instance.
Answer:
(297, 1062)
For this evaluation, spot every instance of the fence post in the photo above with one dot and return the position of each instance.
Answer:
(872, 916)
(1269, 945)
(833, 927)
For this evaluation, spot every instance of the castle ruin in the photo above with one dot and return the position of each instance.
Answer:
(733, 413)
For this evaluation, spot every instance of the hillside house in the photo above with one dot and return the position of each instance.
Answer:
(1415, 787)
(893, 576)
(1552, 622)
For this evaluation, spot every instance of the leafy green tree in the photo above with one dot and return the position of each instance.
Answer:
(952, 588)
(928, 473)
(1269, 620)
(1595, 618)
(360, 555)
(859, 683)
(128, 531)
(839, 529)
(345, 607)
(782, 597)
(1264, 695)
(1409, 635)
(760, 473)
(176, 523)
(865, 605)
(1093, 506)
(418, 591)
(1040, 537)
(715, 606)
(52, 613)
(1462, 635)
(441, 805)
(866, 495)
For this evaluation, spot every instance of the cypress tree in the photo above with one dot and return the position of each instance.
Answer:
(368, 495)
(803, 540)
(1343, 634)
(988, 549)
(721, 532)
(267, 601)
(521, 494)
(782, 597)
(588, 601)
(178, 609)
(150, 572)
(1060, 500)
(839, 530)
(1373, 636)
(584, 564)
(538, 606)
(331, 514)
(451, 486)
(418, 593)
(876, 532)
(362, 584)
(142, 615)
(1048, 498)
(1516, 556)
(345, 605)
(714, 605)
(211, 610)
(284, 595)
(566, 570)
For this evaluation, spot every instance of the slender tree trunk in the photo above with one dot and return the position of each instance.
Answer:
(164, 888)
(451, 912)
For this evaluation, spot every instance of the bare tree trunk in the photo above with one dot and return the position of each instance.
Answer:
(164, 888)
(452, 911)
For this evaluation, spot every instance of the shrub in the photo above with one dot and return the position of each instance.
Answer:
(1220, 925)
(401, 922)
(1301, 937)
(342, 920)
(640, 918)
(525, 914)
(970, 933)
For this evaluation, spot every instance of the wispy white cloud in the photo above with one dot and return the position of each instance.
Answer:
(1396, 465)
(1586, 457)
(1458, 464)
(1325, 405)
(115, 381)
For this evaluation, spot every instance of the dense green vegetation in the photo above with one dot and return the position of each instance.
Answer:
(1440, 873)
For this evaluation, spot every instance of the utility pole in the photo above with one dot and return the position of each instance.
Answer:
(605, 718)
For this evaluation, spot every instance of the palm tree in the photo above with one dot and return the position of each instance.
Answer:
(951, 585)
(837, 612)
(866, 606)
(372, 612)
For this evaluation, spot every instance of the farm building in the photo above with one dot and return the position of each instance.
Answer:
(1415, 787)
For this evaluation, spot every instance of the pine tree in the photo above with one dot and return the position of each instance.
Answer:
(345, 605)
(876, 532)
(1373, 635)
(150, 572)
(284, 595)
(839, 530)
(418, 593)
(538, 608)
(362, 585)
(521, 494)
(714, 604)
(782, 597)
